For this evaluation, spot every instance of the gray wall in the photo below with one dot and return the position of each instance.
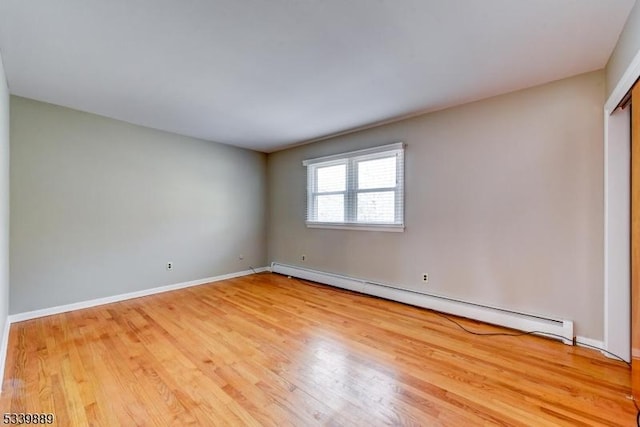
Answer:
(626, 49)
(99, 206)
(503, 204)
(4, 207)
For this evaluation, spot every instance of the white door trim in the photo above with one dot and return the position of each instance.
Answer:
(617, 293)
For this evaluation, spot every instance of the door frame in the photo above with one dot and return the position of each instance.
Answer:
(617, 228)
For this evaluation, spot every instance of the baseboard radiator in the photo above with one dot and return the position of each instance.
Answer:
(496, 316)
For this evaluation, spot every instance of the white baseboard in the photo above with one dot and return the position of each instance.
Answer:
(20, 317)
(4, 348)
(494, 315)
(590, 342)
(599, 346)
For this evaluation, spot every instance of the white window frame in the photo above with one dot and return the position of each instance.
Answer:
(351, 191)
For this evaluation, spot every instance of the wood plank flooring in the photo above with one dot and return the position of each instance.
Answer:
(268, 350)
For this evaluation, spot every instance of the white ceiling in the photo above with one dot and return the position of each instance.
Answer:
(265, 74)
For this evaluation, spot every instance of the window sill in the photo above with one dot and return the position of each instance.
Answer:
(362, 227)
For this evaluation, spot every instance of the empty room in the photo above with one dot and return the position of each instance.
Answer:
(346, 213)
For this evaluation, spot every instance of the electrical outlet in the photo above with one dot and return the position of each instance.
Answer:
(425, 277)
(303, 257)
(169, 265)
(241, 257)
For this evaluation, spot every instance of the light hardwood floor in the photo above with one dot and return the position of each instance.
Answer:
(267, 350)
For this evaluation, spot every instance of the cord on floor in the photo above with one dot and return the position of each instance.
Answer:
(519, 334)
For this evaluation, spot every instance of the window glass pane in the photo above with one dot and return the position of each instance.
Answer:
(331, 178)
(330, 208)
(378, 173)
(376, 207)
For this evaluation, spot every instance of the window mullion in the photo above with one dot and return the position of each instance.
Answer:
(376, 190)
(328, 193)
(312, 177)
(399, 190)
(350, 202)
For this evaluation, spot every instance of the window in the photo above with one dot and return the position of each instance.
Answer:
(361, 190)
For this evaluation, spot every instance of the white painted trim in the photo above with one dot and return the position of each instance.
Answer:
(393, 228)
(616, 332)
(605, 241)
(394, 146)
(624, 84)
(617, 263)
(20, 317)
(4, 349)
(599, 346)
(494, 315)
(581, 341)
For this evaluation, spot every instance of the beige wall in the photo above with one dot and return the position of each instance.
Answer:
(99, 206)
(626, 49)
(503, 204)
